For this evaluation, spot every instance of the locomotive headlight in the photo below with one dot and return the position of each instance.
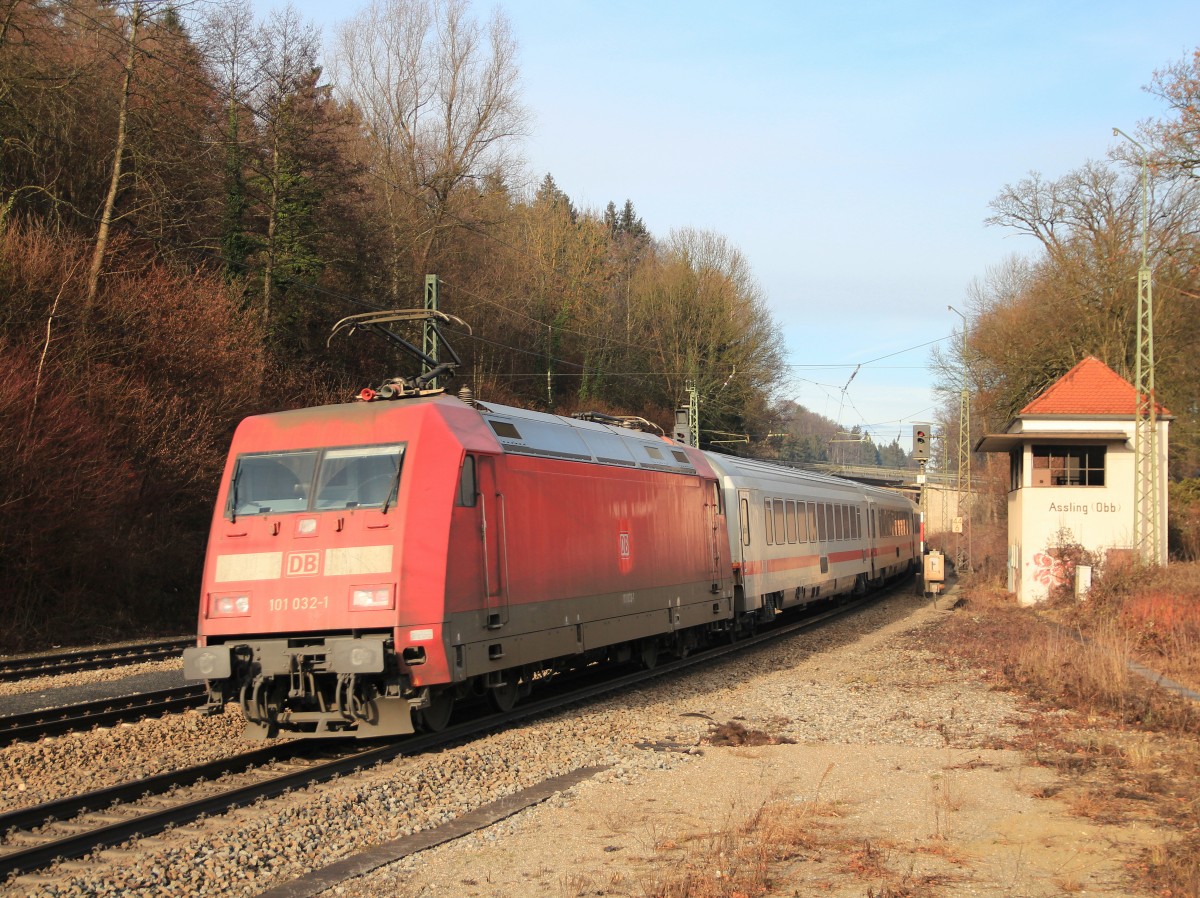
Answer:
(229, 605)
(372, 598)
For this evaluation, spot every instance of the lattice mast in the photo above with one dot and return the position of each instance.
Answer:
(1146, 494)
(1146, 488)
(962, 553)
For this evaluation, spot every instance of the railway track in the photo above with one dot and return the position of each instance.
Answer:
(14, 669)
(106, 712)
(32, 838)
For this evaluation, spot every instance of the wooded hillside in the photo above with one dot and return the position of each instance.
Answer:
(188, 202)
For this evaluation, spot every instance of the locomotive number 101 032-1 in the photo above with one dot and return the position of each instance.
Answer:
(299, 603)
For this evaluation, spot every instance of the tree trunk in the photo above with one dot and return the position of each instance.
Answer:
(110, 200)
(272, 224)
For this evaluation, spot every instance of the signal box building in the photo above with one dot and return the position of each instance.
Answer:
(1072, 476)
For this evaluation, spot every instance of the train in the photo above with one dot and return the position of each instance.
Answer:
(371, 564)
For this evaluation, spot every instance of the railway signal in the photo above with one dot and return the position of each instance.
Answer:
(920, 442)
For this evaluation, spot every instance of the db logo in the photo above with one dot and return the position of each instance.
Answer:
(303, 564)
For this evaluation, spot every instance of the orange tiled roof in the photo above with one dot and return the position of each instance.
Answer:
(1090, 388)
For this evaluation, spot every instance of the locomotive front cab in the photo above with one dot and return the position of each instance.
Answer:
(320, 608)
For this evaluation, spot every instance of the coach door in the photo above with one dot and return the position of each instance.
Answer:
(743, 513)
(872, 536)
(495, 564)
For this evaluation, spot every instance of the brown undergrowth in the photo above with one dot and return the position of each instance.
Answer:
(1127, 750)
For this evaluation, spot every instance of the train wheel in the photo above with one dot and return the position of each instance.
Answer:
(504, 697)
(648, 653)
(435, 718)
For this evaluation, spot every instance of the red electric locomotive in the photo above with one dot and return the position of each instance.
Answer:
(370, 563)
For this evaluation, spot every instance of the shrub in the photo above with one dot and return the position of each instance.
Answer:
(114, 433)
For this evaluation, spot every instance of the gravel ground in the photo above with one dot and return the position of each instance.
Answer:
(851, 689)
(37, 693)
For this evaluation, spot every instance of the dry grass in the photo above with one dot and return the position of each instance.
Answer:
(778, 844)
(736, 860)
(1145, 764)
(739, 859)
(1072, 658)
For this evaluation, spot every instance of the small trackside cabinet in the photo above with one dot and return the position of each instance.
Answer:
(935, 568)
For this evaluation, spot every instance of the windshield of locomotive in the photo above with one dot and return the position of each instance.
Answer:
(316, 480)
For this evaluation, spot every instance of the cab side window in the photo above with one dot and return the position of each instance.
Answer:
(466, 483)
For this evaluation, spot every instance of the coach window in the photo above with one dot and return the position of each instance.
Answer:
(812, 522)
(801, 522)
(780, 526)
(466, 483)
(744, 520)
(769, 522)
(791, 521)
(858, 523)
(839, 521)
(846, 521)
(821, 532)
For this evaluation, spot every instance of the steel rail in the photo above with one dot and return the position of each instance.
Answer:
(76, 845)
(15, 669)
(104, 712)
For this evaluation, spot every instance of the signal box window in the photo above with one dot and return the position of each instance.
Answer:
(1068, 466)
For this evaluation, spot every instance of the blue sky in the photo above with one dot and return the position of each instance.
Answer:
(849, 153)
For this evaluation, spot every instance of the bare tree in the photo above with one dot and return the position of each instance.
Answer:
(1178, 137)
(698, 306)
(439, 99)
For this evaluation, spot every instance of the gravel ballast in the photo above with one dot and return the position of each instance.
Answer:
(870, 719)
